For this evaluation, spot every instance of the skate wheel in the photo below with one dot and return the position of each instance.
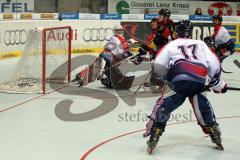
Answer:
(149, 150)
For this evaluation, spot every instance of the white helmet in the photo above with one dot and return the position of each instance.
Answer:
(118, 29)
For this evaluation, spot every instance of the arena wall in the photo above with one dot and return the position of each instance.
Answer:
(90, 36)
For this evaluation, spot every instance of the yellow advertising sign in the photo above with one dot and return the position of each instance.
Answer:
(47, 16)
(26, 16)
(7, 16)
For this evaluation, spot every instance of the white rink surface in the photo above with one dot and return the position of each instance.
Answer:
(34, 127)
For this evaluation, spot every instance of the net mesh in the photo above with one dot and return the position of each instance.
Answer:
(28, 74)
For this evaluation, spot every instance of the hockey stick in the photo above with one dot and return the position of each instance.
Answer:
(221, 59)
(225, 71)
(123, 61)
(142, 83)
(237, 63)
(233, 88)
(116, 65)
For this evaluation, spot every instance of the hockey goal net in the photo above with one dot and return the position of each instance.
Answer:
(46, 58)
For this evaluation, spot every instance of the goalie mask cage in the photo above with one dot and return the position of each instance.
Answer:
(46, 58)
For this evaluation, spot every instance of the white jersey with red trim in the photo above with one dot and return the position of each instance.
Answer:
(118, 46)
(189, 50)
(222, 36)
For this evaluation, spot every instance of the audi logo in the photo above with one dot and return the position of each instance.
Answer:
(15, 37)
(97, 34)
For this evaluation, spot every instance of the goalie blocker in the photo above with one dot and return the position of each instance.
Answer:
(119, 81)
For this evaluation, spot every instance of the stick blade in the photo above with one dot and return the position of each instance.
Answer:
(237, 63)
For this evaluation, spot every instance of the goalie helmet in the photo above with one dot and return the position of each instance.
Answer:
(184, 28)
(118, 29)
(217, 17)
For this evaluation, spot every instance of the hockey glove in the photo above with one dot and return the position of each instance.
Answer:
(209, 42)
(146, 48)
(218, 85)
(141, 51)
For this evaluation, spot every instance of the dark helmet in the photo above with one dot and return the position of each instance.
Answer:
(154, 20)
(184, 28)
(209, 41)
(168, 13)
(218, 17)
(162, 12)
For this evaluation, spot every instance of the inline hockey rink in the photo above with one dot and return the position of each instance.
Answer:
(95, 123)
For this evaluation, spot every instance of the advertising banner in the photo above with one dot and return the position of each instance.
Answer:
(47, 16)
(26, 16)
(176, 7)
(89, 37)
(200, 18)
(68, 15)
(110, 16)
(16, 6)
(132, 16)
(8, 16)
(86, 16)
(140, 31)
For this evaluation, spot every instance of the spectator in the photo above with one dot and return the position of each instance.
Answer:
(146, 11)
(198, 12)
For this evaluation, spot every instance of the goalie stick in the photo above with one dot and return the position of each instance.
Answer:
(116, 65)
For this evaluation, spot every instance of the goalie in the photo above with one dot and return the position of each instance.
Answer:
(116, 50)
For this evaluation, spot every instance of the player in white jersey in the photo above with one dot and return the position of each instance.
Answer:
(186, 65)
(221, 38)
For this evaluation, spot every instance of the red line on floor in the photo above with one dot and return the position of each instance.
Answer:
(29, 100)
(126, 134)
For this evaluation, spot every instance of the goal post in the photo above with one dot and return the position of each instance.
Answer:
(46, 36)
(46, 58)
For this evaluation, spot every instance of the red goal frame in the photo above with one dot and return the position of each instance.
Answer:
(44, 53)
